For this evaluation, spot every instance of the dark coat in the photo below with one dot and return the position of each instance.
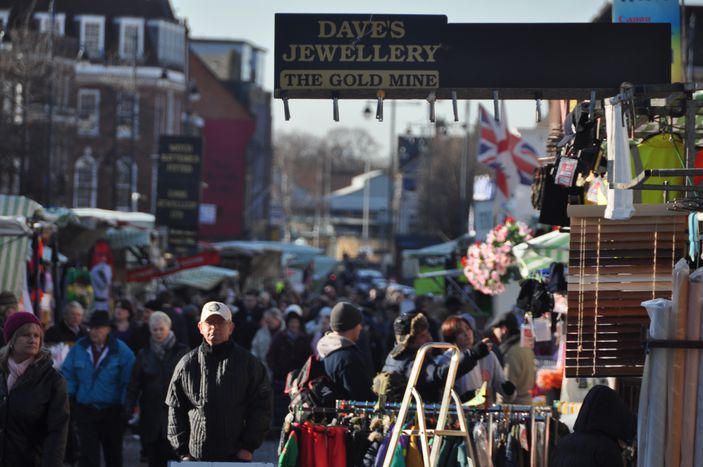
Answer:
(34, 417)
(246, 323)
(149, 385)
(287, 353)
(62, 333)
(346, 367)
(220, 401)
(602, 421)
(434, 373)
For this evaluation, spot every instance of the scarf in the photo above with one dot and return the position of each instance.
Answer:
(160, 348)
(16, 370)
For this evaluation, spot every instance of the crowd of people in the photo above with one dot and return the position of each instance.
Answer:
(206, 377)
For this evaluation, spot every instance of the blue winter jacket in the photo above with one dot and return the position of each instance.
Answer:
(102, 386)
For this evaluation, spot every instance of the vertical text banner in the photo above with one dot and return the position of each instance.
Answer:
(178, 192)
(655, 11)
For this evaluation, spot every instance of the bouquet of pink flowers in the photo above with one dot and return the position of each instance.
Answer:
(490, 264)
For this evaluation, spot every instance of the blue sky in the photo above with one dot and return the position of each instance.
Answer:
(254, 21)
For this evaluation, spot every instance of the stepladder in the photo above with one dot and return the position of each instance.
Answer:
(413, 408)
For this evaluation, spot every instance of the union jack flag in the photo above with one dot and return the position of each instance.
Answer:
(504, 152)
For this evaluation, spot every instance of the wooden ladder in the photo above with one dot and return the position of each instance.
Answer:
(449, 396)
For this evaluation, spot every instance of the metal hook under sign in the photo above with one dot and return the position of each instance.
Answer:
(455, 107)
(538, 109)
(496, 107)
(286, 109)
(335, 108)
(431, 99)
(592, 106)
(379, 105)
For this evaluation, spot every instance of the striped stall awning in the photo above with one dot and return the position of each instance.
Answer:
(14, 249)
(202, 278)
(540, 252)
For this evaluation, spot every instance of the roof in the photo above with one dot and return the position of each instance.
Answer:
(540, 252)
(149, 9)
(441, 249)
(202, 278)
(13, 252)
(21, 10)
(216, 100)
(222, 41)
(12, 226)
(115, 218)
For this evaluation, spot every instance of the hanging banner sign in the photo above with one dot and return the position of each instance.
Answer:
(178, 192)
(411, 56)
(655, 11)
(329, 52)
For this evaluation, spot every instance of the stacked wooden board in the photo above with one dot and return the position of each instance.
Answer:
(613, 267)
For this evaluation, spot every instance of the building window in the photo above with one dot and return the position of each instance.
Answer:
(131, 38)
(127, 115)
(85, 181)
(88, 112)
(43, 20)
(170, 40)
(4, 19)
(92, 30)
(10, 175)
(13, 102)
(125, 183)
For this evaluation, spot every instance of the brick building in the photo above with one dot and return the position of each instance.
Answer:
(128, 87)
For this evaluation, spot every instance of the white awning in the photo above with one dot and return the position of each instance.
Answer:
(202, 278)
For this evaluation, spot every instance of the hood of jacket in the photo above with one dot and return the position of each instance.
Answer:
(331, 342)
(604, 412)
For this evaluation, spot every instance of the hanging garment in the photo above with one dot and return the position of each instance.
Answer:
(336, 446)
(679, 316)
(554, 200)
(695, 306)
(480, 437)
(307, 446)
(414, 455)
(357, 443)
(662, 151)
(619, 201)
(290, 455)
(401, 449)
(651, 418)
(690, 388)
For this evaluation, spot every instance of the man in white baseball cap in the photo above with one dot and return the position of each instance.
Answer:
(215, 384)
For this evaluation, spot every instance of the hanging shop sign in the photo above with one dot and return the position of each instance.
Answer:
(178, 192)
(410, 56)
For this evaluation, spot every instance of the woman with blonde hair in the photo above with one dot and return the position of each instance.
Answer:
(33, 398)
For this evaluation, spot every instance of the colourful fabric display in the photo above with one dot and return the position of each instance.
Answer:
(289, 455)
(662, 151)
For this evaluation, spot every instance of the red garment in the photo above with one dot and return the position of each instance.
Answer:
(322, 446)
(336, 446)
(306, 445)
(320, 437)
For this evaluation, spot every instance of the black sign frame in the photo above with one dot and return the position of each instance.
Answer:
(178, 191)
(321, 56)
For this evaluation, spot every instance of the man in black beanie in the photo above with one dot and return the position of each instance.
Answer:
(344, 363)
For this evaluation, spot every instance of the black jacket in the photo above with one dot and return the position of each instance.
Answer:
(62, 333)
(346, 367)
(220, 401)
(149, 385)
(433, 376)
(34, 417)
(602, 421)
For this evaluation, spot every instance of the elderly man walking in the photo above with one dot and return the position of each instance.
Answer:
(220, 398)
(97, 370)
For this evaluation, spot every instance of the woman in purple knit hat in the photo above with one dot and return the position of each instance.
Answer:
(33, 398)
